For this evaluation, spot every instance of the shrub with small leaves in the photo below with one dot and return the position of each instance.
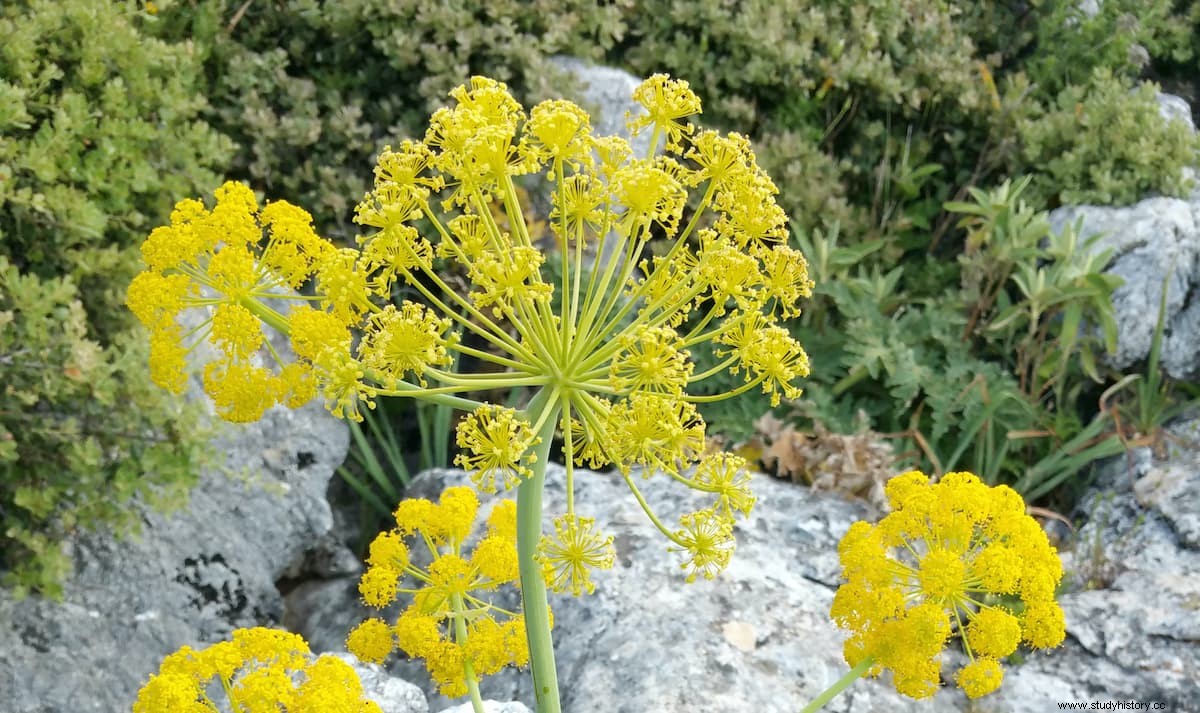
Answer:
(311, 91)
(101, 126)
(80, 436)
(826, 83)
(1067, 41)
(1105, 143)
(98, 128)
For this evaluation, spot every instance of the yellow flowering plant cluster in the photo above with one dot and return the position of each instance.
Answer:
(451, 622)
(605, 351)
(259, 671)
(953, 560)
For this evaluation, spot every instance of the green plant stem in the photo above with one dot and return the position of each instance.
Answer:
(840, 685)
(533, 586)
(460, 633)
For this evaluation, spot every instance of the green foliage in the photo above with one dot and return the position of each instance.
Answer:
(829, 91)
(99, 135)
(757, 58)
(1145, 403)
(988, 376)
(1104, 143)
(377, 468)
(311, 91)
(1060, 286)
(80, 436)
(1068, 41)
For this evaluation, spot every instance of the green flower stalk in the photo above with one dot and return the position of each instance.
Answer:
(604, 348)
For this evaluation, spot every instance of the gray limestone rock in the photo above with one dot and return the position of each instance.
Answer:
(1155, 242)
(1132, 616)
(324, 611)
(1173, 108)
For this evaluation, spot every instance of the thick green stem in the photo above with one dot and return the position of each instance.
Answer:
(842, 684)
(533, 586)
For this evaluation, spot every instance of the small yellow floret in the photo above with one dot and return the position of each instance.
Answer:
(942, 576)
(497, 447)
(666, 101)
(993, 632)
(168, 359)
(371, 641)
(558, 130)
(980, 677)
(496, 559)
(413, 514)
(707, 537)
(575, 549)
(455, 515)
(388, 550)
(405, 340)
(416, 634)
(378, 586)
(1043, 624)
(236, 330)
(241, 391)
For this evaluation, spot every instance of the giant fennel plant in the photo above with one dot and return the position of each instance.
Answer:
(605, 350)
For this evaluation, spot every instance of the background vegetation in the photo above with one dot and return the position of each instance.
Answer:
(100, 132)
(916, 143)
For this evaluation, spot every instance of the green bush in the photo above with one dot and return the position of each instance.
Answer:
(830, 91)
(311, 91)
(99, 135)
(1105, 143)
(1066, 44)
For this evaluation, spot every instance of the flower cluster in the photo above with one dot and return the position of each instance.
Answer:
(955, 559)
(211, 259)
(450, 623)
(260, 671)
(606, 347)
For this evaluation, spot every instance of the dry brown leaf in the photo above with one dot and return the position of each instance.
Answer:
(857, 464)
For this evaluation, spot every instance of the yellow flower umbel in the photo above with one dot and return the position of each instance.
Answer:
(450, 622)
(959, 560)
(606, 348)
(260, 671)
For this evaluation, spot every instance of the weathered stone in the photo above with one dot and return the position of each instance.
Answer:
(1155, 242)
(1135, 568)
(324, 611)
(1173, 108)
